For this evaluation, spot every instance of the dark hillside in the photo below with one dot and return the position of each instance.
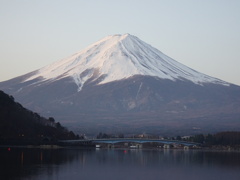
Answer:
(19, 125)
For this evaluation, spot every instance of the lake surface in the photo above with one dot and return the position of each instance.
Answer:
(117, 164)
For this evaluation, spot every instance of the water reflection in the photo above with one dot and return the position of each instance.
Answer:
(36, 164)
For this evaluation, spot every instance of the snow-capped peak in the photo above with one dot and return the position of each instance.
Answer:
(118, 57)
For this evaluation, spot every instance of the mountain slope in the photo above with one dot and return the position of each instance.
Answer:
(19, 125)
(121, 83)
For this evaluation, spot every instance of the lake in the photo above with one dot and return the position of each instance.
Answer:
(117, 164)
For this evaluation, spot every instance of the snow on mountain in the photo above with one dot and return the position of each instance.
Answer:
(119, 57)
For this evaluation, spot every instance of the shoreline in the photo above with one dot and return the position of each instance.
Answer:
(55, 146)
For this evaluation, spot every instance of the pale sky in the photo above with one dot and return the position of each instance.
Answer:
(202, 34)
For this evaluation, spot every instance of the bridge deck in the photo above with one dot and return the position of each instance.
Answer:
(130, 140)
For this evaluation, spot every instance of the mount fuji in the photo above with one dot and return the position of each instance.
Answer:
(120, 84)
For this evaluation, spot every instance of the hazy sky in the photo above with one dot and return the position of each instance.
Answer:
(202, 34)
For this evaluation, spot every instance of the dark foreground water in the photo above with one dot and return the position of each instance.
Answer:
(103, 164)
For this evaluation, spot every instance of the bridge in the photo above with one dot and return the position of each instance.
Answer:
(138, 141)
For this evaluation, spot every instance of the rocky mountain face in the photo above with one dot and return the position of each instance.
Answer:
(121, 84)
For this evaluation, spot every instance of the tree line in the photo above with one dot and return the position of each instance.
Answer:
(229, 138)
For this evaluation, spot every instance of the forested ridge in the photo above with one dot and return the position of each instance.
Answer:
(229, 138)
(20, 125)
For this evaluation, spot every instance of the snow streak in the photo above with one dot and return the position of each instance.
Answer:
(139, 90)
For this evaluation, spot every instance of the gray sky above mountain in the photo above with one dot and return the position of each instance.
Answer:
(203, 35)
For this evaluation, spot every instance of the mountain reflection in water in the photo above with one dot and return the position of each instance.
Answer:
(103, 164)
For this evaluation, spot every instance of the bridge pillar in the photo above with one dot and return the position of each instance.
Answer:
(110, 145)
(166, 146)
(139, 146)
(136, 146)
